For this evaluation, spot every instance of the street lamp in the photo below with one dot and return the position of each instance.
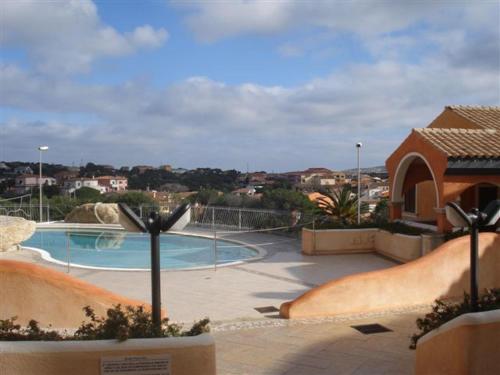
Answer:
(41, 149)
(154, 225)
(358, 147)
(474, 221)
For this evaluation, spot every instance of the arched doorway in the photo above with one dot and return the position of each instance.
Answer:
(414, 188)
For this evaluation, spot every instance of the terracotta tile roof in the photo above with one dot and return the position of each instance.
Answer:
(485, 117)
(464, 143)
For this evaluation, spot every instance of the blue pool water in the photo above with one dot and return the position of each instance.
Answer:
(114, 249)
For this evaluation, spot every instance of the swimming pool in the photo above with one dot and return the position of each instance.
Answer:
(131, 251)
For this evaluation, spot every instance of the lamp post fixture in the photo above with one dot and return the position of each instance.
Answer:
(358, 147)
(155, 224)
(41, 148)
(474, 220)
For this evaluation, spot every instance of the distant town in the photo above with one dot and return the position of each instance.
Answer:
(166, 184)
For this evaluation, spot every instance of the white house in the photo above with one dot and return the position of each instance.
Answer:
(73, 184)
(113, 183)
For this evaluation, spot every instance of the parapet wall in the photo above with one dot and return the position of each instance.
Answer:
(30, 291)
(188, 355)
(400, 247)
(466, 345)
(442, 273)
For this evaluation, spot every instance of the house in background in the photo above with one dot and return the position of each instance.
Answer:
(26, 182)
(455, 159)
(24, 170)
(113, 183)
(71, 185)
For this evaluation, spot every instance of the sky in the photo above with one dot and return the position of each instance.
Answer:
(263, 85)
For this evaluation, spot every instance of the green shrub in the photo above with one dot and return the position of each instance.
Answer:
(10, 331)
(121, 324)
(393, 227)
(402, 228)
(443, 312)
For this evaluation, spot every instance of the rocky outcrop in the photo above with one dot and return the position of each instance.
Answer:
(13, 231)
(94, 213)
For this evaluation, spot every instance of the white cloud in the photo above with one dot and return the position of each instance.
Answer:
(67, 36)
(211, 21)
(204, 122)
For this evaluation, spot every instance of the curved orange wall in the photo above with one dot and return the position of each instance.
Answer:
(29, 292)
(443, 273)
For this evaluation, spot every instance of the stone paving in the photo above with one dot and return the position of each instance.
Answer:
(319, 348)
(249, 342)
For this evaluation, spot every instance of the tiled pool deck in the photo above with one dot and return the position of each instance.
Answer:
(249, 342)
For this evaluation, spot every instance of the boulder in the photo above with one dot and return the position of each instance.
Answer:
(94, 213)
(13, 231)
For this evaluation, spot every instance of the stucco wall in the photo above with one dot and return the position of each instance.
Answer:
(29, 291)
(189, 355)
(443, 273)
(400, 247)
(466, 345)
(332, 241)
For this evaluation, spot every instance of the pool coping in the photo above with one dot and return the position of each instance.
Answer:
(261, 253)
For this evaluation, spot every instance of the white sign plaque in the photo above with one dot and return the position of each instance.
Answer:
(136, 365)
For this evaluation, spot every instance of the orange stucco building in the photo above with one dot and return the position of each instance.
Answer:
(455, 159)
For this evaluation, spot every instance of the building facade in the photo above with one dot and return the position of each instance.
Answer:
(455, 159)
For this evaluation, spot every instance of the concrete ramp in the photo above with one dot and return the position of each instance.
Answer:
(443, 273)
(29, 291)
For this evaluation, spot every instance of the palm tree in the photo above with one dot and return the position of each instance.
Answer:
(340, 205)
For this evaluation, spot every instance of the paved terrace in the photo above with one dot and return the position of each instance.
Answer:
(233, 292)
(249, 342)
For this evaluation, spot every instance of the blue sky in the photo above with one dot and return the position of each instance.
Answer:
(278, 85)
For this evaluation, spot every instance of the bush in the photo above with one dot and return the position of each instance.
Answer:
(393, 227)
(443, 312)
(131, 198)
(121, 324)
(87, 195)
(402, 228)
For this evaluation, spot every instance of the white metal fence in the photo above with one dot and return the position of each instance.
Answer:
(210, 217)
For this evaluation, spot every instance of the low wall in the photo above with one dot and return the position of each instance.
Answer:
(443, 273)
(466, 345)
(335, 241)
(400, 247)
(29, 291)
(188, 355)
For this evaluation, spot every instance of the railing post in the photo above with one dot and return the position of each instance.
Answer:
(213, 218)
(215, 250)
(314, 233)
(48, 212)
(68, 249)
(140, 211)
(239, 219)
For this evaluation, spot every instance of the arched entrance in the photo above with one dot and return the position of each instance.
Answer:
(415, 190)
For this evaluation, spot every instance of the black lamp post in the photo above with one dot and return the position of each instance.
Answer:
(154, 225)
(474, 221)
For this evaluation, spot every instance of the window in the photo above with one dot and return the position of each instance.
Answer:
(410, 200)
